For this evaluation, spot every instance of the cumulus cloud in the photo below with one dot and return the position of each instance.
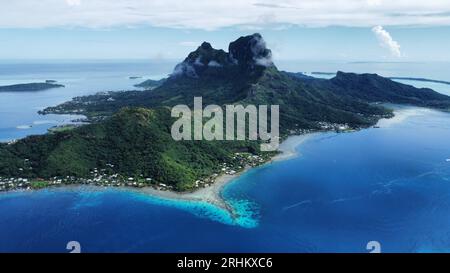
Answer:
(214, 64)
(184, 69)
(262, 55)
(198, 62)
(206, 14)
(387, 41)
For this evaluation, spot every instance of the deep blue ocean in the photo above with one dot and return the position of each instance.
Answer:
(390, 185)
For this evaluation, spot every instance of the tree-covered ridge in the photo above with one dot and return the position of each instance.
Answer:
(135, 142)
(374, 88)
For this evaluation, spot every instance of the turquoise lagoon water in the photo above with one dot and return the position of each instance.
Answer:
(391, 185)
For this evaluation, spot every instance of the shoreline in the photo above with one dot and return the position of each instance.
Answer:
(213, 193)
(288, 147)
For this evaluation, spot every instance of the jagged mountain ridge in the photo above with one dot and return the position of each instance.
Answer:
(247, 55)
(246, 74)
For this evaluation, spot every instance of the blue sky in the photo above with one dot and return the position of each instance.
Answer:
(366, 30)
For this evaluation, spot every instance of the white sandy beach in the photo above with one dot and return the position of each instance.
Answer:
(212, 194)
(288, 148)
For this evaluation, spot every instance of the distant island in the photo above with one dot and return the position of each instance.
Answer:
(419, 80)
(129, 143)
(26, 87)
(391, 78)
(323, 73)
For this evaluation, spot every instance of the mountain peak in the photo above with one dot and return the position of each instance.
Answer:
(251, 51)
(206, 46)
(247, 53)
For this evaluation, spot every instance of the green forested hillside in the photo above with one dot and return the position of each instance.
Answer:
(136, 141)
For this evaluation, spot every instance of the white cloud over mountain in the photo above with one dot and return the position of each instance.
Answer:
(387, 41)
(206, 14)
